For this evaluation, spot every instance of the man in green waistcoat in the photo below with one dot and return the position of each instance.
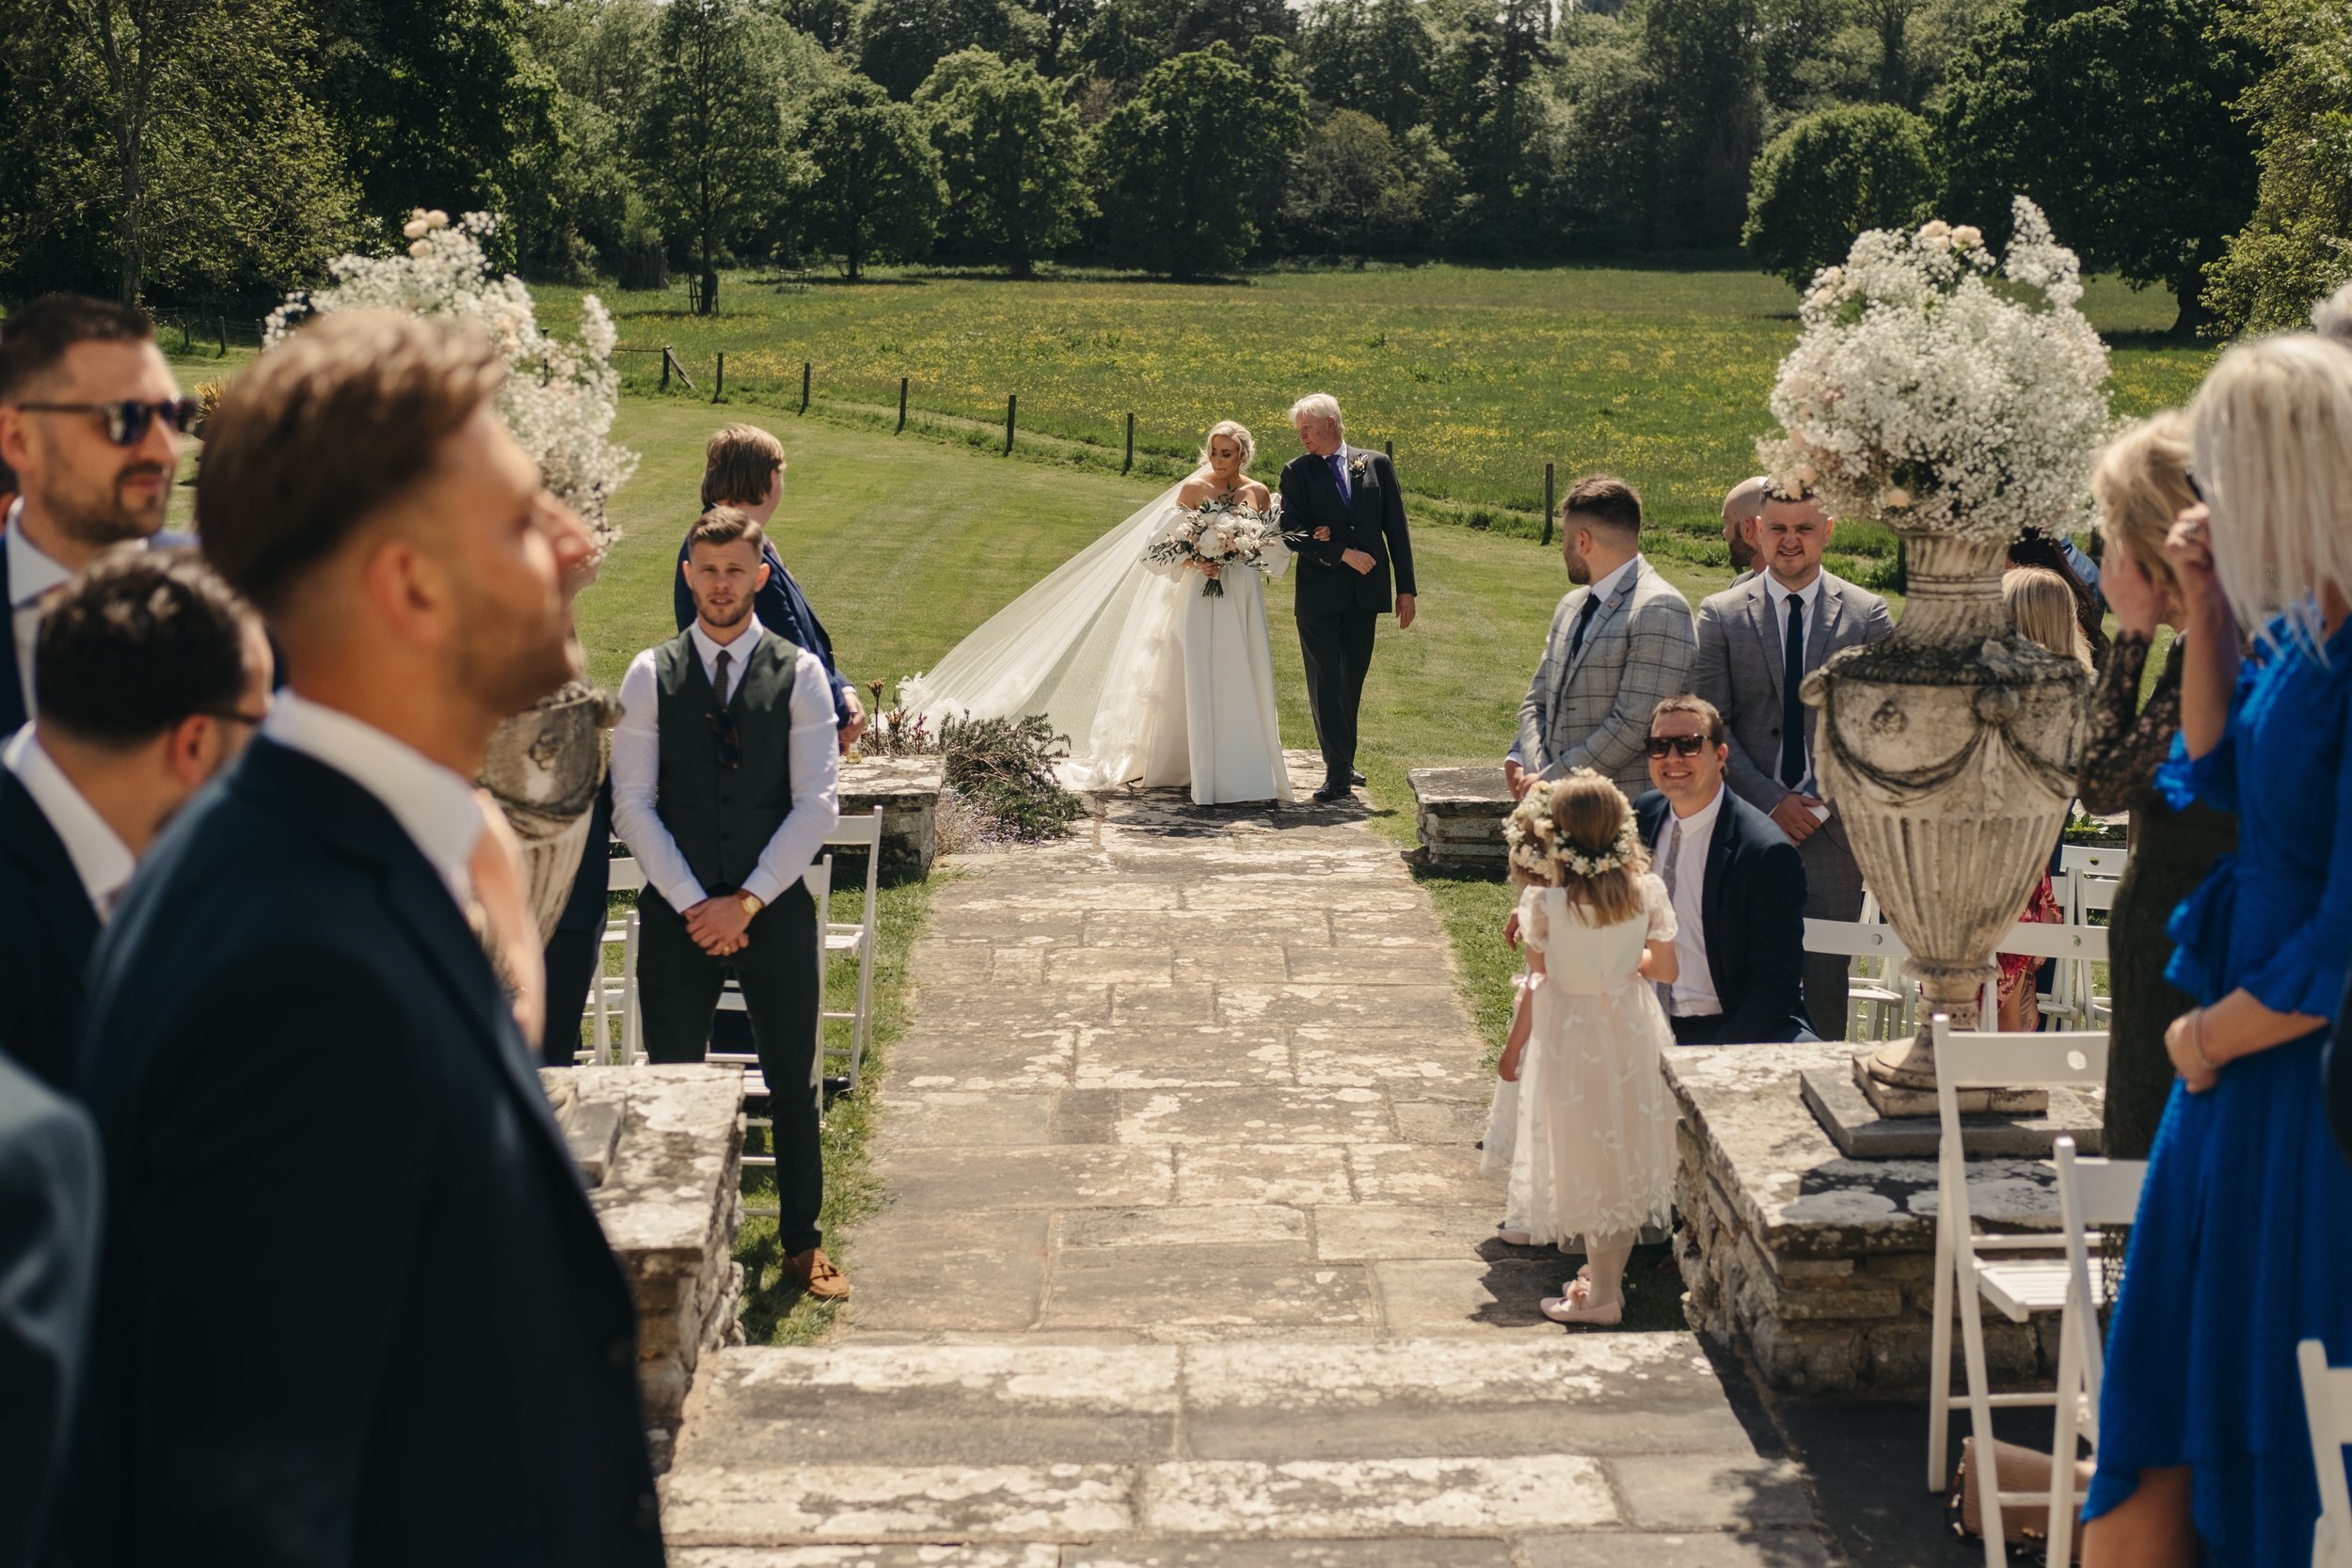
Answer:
(725, 780)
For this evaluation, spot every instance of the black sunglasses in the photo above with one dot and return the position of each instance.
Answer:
(1680, 745)
(127, 419)
(730, 738)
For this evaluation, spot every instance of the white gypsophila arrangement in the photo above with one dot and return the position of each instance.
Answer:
(1924, 394)
(1222, 533)
(560, 398)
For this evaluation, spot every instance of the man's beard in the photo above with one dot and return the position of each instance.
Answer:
(724, 619)
(102, 519)
(1743, 555)
(507, 669)
(1579, 572)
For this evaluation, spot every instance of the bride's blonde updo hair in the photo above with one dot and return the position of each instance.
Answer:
(1242, 438)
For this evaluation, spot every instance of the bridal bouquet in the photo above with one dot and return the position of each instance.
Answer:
(1220, 534)
(1942, 389)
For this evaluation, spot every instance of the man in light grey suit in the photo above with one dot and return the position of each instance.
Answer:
(1619, 643)
(1757, 641)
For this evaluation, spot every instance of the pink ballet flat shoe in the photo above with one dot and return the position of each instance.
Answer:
(1560, 1310)
(1513, 1238)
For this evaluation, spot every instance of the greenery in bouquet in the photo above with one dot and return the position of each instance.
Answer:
(560, 398)
(1943, 390)
(1221, 533)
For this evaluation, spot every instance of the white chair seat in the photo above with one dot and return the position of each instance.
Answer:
(2020, 1287)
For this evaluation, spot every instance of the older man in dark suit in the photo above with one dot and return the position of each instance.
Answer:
(1737, 884)
(153, 676)
(1757, 641)
(298, 1043)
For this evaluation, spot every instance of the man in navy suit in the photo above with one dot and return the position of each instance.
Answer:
(91, 420)
(1738, 887)
(152, 677)
(298, 1042)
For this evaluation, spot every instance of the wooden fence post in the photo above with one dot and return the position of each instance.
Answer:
(1130, 446)
(718, 382)
(222, 323)
(902, 404)
(665, 367)
(1389, 447)
(1011, 401)
(803, 386)
(1546, 503)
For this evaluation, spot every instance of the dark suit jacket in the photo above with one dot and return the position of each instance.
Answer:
(49, 1205)
(1753, 912)
(47, 929)
(1372, 520)
(304, 1073)
(783, 608)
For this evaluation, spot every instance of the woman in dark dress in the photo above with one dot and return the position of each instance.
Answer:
(2140, 485)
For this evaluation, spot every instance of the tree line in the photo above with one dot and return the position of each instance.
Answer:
(170, 149)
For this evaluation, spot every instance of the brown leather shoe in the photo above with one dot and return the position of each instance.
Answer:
(816, 1274)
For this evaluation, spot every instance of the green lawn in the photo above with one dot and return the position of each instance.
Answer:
(1478, 376)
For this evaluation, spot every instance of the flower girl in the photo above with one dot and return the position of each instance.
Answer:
(1582, 1117)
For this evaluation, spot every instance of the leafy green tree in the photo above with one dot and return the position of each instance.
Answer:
(1489, 91)
(1128, 39)
(1066, 22)
(601, 54)
(1179, 161)
(1702, 61)
(897, 43)
(1607, 176)
(1356, 196)
(2115, 115)
(1829, 177)
(2297, 248)
(709, 138)
(1010, 154)
(1371, 55)
(869, 187)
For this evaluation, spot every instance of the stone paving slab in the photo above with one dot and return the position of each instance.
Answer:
(1189, 1258)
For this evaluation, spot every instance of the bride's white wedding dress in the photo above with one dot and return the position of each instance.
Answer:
(1154, 681)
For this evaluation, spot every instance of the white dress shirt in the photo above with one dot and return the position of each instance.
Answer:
(100, 858)
(433, 805)
(31, 574)
(813, 757)
(1694, 983)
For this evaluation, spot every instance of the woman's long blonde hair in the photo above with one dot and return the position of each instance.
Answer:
(2139, 486)
(2041, 605)
(2270, 443)
(1588, 816)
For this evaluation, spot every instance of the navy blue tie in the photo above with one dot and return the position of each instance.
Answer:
(1791, 707)
(1584, 619)
(1338, 475)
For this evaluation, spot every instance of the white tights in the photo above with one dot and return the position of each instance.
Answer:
(1605, 1259)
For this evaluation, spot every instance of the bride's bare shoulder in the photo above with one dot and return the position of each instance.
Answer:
(1195, 490)
(1257, 495)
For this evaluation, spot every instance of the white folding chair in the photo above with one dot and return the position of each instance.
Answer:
(2094, 899)
(2018, 1287)
(2091, 1193)
(2068, 944)
(614, 1023)
(2327, 1408)
(1874, 991)
(855, 938)
(2093, 860)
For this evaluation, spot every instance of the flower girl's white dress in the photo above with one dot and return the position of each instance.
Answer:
(1587, 1132)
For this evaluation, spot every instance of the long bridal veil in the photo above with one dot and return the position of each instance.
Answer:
(1092, 647)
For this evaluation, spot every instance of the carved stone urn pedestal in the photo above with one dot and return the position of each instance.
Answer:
(544, 768)
(1950, 750)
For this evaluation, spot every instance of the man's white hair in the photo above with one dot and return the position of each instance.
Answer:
(1321, 408)
(2332, 317)
(2271, 442)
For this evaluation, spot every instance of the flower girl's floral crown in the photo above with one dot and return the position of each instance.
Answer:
(1536, 849)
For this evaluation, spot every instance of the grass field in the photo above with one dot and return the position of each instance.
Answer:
(1479, 377)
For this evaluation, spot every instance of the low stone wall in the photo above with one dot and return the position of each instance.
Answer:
(1822, 1265)
(907, 790)
(1459, 813)
(662, 1151)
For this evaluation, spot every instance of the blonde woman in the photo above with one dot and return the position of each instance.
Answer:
(2041, 605)
(2239, 1250)
(2139, 487)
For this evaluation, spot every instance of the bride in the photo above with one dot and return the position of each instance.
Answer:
(1153, 660)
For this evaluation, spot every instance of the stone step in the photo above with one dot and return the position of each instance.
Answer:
(1210, 1454)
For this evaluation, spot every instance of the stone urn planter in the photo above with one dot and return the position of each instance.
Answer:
(1950, 750)
(544, 768)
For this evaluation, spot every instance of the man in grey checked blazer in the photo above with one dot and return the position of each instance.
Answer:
(1620, 643)
(1748, 667)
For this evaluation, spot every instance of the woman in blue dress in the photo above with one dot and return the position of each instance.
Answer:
(2243, 1241)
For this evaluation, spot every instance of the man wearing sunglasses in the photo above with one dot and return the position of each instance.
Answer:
(152, 679)
(1737, 885)
(90, 420)
(725, 780)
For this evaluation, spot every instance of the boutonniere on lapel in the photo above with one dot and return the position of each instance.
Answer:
(1357, 469)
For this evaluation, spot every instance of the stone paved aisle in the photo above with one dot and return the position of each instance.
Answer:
(1188, 1261)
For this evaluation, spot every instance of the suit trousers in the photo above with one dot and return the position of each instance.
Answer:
(572, 958)
(1338, 649)
(1833, 890)
(677, 993)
